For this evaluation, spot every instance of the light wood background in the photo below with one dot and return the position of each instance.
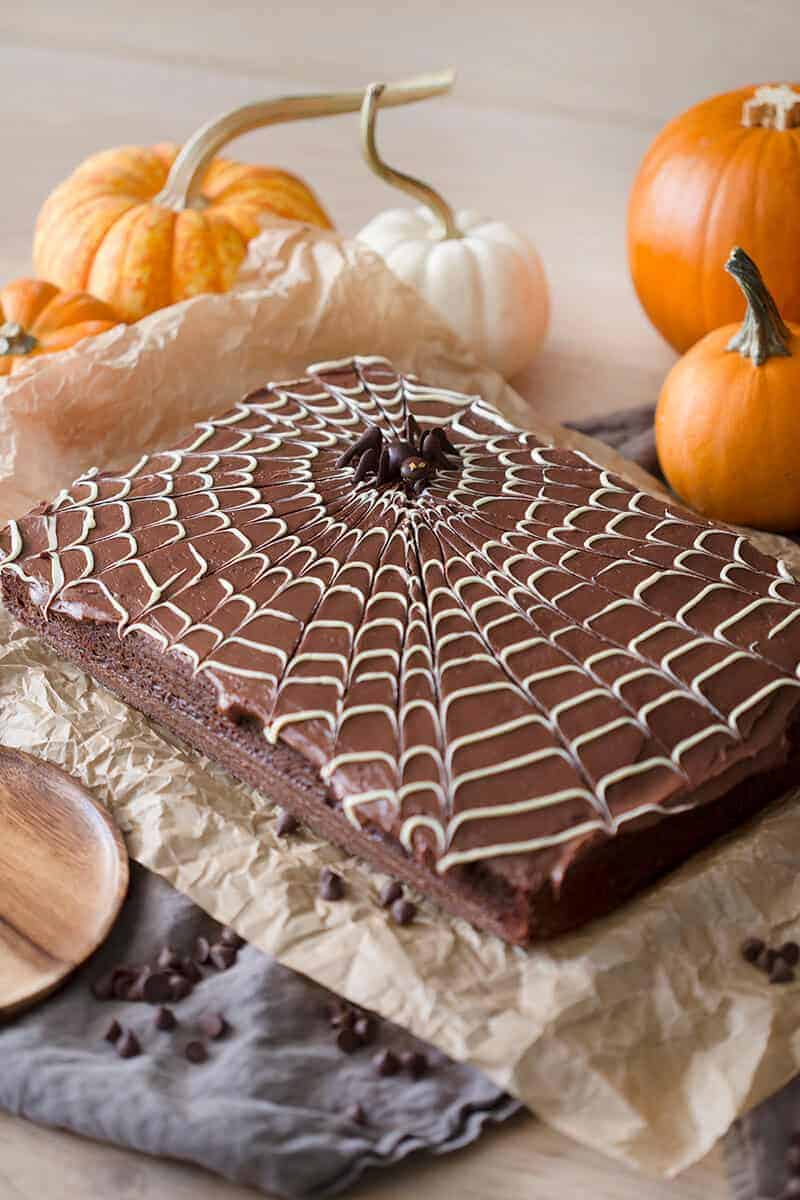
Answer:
(554, 106)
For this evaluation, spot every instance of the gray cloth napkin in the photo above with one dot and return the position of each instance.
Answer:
(269, 1107)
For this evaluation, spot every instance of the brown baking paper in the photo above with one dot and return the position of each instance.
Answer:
(644, 1035)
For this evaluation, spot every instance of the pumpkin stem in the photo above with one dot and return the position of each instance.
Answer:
(422, 192)
(15, 341)
(189, 167)
(764, 333)
(772, 107)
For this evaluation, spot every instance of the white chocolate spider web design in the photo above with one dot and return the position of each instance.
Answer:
(530, 651)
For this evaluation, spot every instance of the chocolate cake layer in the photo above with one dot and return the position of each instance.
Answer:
(484, 663)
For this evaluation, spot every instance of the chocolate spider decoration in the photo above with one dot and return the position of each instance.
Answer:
(412, 460)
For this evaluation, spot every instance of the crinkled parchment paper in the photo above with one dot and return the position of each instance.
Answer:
(644, 1035)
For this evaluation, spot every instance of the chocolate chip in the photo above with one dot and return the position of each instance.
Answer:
(122, 979)
(179, 988)
(201, 949)
(196, 1052)
(343, 1018)
(128, 1045)
(356, 1114)
(365, 1030)
(222, 956)
(114, 1031)
(286, 824)
(347, 1040)
(751, 948)
(213, 1025)
(137, 986)
(781, 972)
(168, 959)
(390, 892)
(165, 1018)
(229, 937)
(790, 953)
(331, 885)
(103, 988)
(157, 988)
(416, 1063)
(792, 1187)
(403, 912)
(190, 970)
(386, 1063)
(793, 1159)
(765, 959)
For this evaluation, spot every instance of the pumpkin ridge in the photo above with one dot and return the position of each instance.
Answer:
(714, 200)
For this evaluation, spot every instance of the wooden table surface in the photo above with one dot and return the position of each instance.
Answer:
(554, 106)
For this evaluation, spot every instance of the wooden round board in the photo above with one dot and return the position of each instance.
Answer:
(63, 877)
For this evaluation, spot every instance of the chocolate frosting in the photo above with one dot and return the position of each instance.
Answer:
(529, 652)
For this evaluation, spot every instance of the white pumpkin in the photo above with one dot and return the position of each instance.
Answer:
(488, 282)
(483, 277)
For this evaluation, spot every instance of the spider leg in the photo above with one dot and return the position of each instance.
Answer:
(432, 450)
(384, 470)
(413, 432)
(370, 439)
(368, 462)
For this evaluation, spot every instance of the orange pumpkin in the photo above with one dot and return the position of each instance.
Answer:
(37, 318)
(726, 420)
(725, 173)
(115, 228)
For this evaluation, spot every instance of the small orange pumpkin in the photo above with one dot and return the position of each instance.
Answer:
(116, 229)
(726, 420)
(37, 318)
(725, 173)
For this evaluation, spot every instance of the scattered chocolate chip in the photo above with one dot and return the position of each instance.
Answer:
(213, 1025)
(793, 1158)
(114, 1031)
(751, 949)
(792, 1187)
(229, 937)
(195, 1052)
(168, 959)
(157, 988)
(286, 824)
(179, 988)
(347, 1040)
(123, 978)
(165, 1018)
(781, 972)
(765, 959)
(416, 1063)
(386, 1063)
(365, 1030)
(222, 956)
(331, 885)
(356, 1114)
(390, 892)
(103, 988)
(201, 950)
(190, 970)
(790, 953)
(403, 912)
(128, 1045)
(344, 1018)
(136, 988)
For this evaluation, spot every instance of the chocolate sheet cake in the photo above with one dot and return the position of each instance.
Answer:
(484, 663)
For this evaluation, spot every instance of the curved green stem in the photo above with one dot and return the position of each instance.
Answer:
(764, 333)
(422, 192)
